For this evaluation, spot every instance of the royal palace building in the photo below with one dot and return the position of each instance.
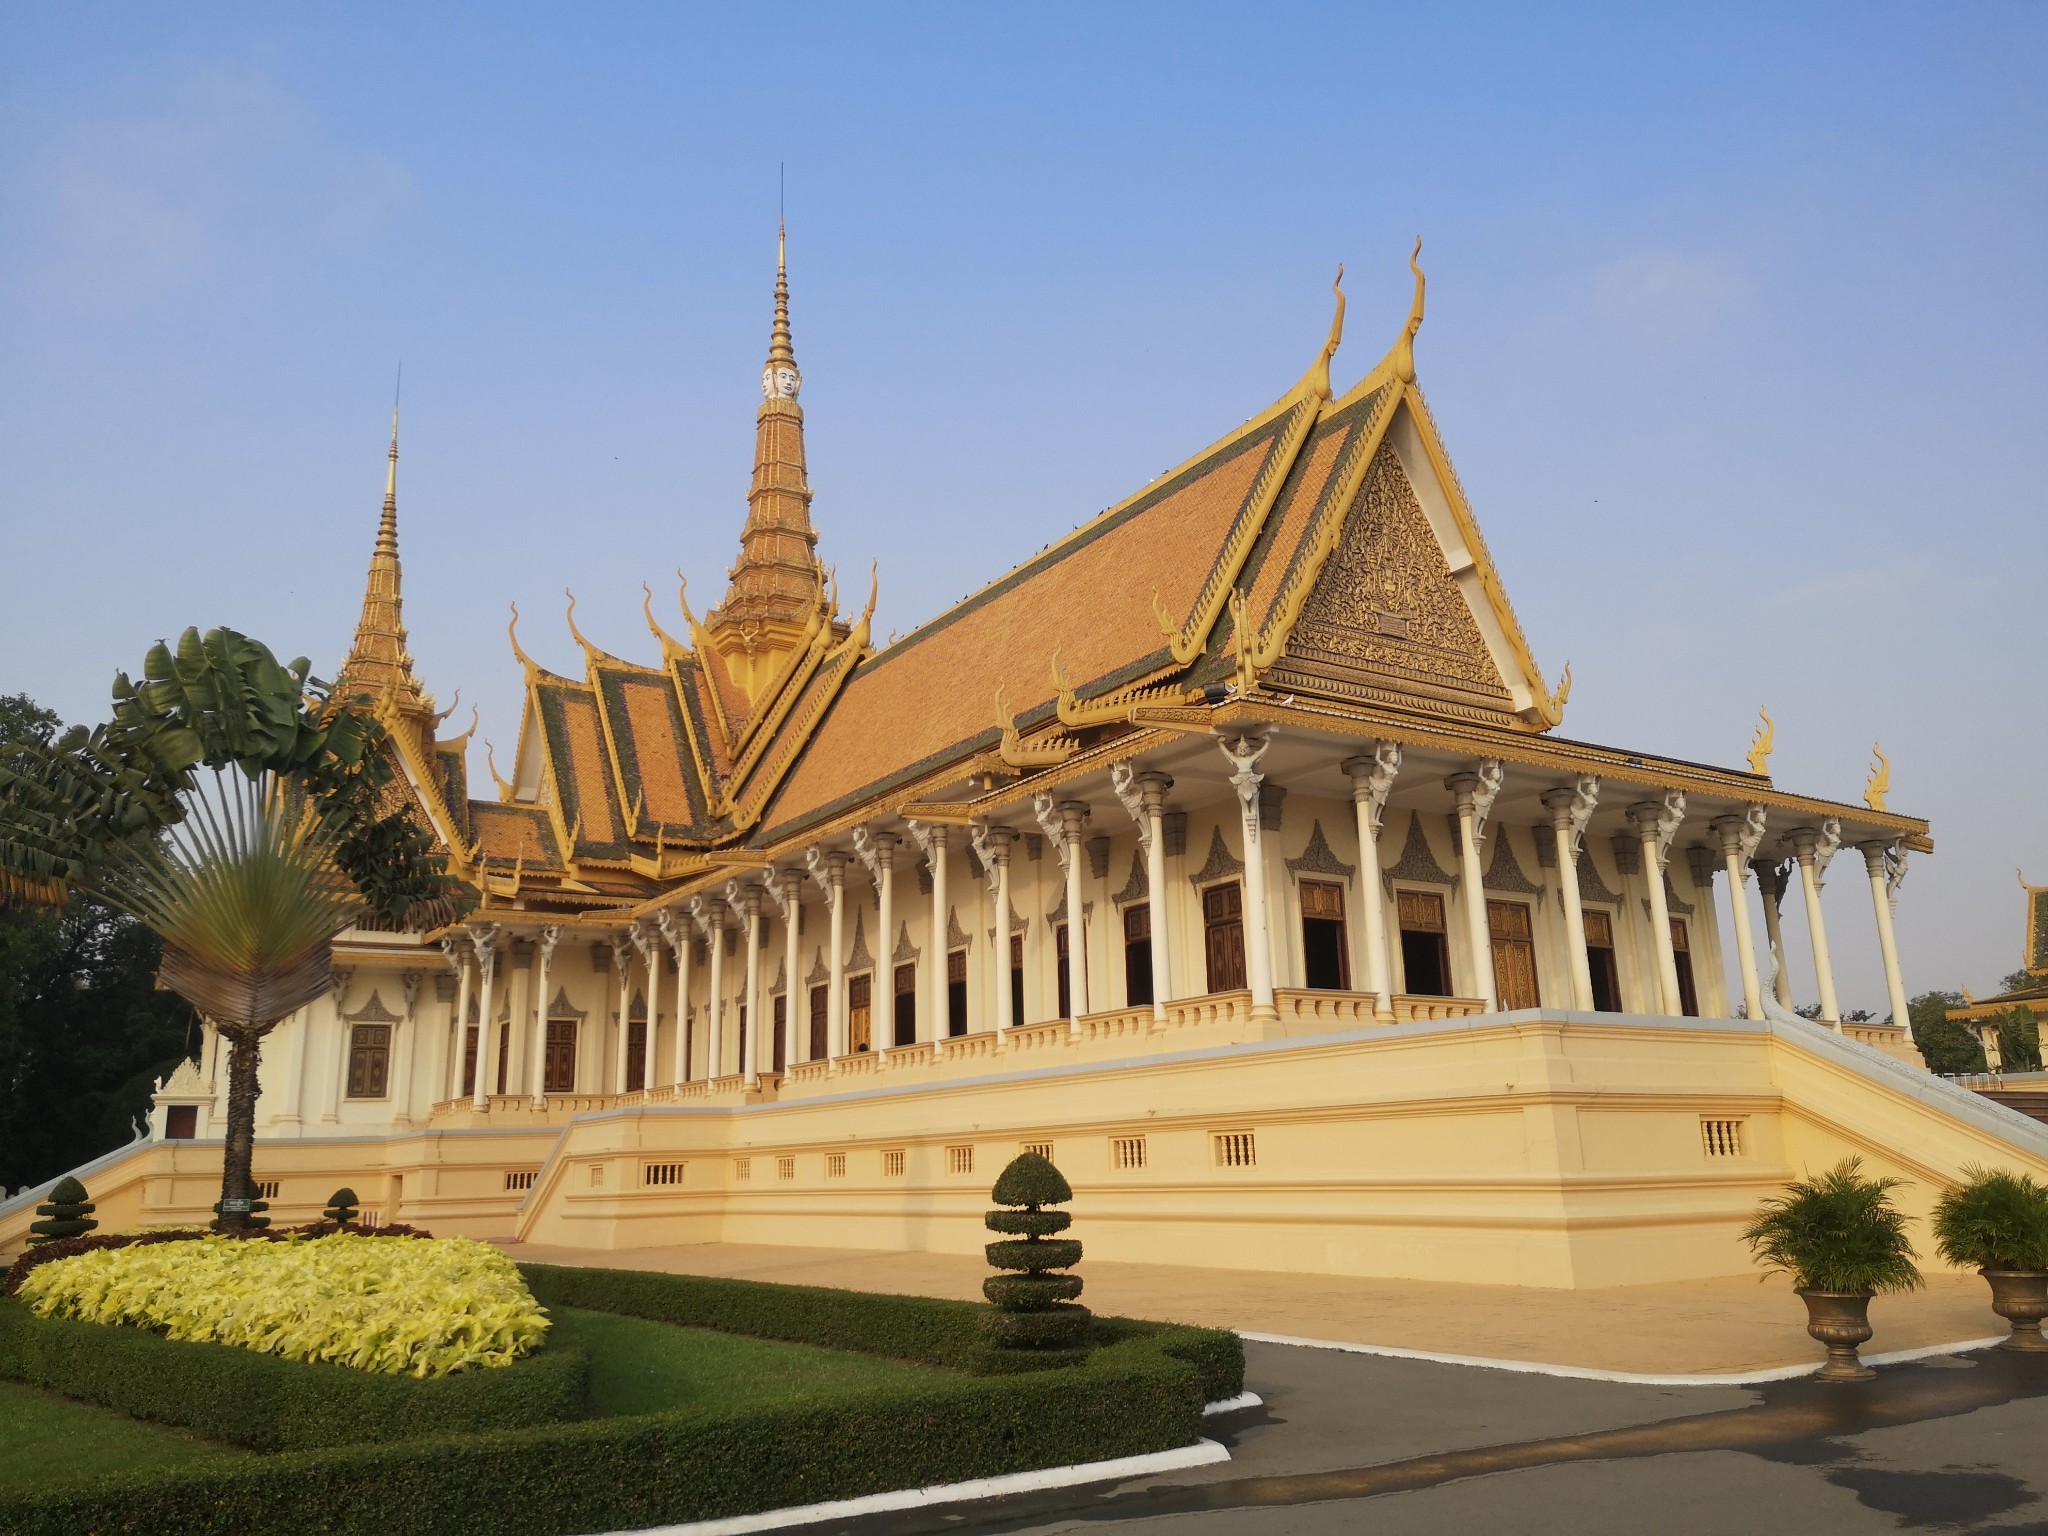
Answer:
(1228, 850)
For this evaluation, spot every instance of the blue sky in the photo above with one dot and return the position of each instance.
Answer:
(1736, 331)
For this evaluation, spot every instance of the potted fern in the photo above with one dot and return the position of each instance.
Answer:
(1997, 1224)
(1842, 1241)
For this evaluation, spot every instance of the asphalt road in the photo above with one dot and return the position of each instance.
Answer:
(1351, 1443)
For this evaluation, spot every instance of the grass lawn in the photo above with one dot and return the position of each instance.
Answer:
(46, 1441)
(643, 1367)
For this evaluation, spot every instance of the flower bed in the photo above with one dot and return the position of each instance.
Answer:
(427, 1307)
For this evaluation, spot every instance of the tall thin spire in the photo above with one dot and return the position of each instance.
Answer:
(378, 661)
(775, 581)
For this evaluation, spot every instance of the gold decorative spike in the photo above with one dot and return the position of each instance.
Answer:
(475, 717)
(512, 629)
(505, 791)
(1247, 671)
(1760, 748)
(573, 630)
(1553, 707)
(1041, 754)
(668, 641)
(1167, 627)
(1402, 357)
(874, 591)
(683, 597)
(453, 705)
(1880, 783)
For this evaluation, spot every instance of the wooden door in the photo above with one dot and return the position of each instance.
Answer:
(1514, 953)
(636, 1056)
(782, 1032)
(860, 1011)
(1681, 953)
(1223, 936)
(1600, 963)
(905, 1013)
(1326, 961)
(821, 1007)
(369, 1060)
(560, 1073)
(469, 1061)
(1137, 955)
(1425, 943)
(956, 992)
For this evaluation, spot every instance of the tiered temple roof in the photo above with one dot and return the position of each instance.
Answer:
(1320, 556)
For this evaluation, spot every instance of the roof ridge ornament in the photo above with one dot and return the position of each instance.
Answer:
(1401, 359)
(1760, 747)
(512, 630)
(1880, 783)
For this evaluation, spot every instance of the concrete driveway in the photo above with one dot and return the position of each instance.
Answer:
(1399, 1448)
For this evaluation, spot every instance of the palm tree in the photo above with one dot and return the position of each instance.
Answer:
(238, 810)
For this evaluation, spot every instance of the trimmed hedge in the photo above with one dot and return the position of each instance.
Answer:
(1140, 1390)
(923, 1329)
(622, 1473)
(269, 1403)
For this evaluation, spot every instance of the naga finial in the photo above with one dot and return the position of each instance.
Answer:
(505, 790)
(1880, 783)
(512, 629)
(1403, 356)
(573, 630)
(1760, 748)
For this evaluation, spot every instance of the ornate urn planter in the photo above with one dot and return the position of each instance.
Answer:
(1841, 1321)
(2020, 1296)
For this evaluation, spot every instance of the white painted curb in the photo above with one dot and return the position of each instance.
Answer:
(1629, 1378)
(1232, 1404)
(1201, 1454)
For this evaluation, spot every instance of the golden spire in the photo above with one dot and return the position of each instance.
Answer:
(775, 581)
(378, 664)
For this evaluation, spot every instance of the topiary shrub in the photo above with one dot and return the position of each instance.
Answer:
(1993, 1220)
(67, 1213)
(1034, 1305)
(343, 1208)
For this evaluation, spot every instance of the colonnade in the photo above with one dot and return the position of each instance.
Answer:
(763, 914)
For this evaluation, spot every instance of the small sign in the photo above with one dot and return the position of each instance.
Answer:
(234, 1205)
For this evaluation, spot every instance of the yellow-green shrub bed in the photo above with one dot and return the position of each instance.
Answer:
(407, 1306)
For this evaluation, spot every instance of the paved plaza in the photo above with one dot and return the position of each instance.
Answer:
(1355, 1442)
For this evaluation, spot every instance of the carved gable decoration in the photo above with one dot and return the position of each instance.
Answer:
(1591, 886)
(562, 1008)
(1218, 866)
(1386, 610)
(905, 952)
(1319, 859)
(860, 960)
(1135, 888)
(1416, 861)
(373, 1012)
(1506, 871)
(637, 1010)
(956, 936)
(820, 972)
(1017, 924)
(781, 981)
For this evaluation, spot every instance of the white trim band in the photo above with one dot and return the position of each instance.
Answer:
(1629, 1378)
(1201, 1454)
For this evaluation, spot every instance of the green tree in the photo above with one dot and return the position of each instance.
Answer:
(84, 1030)
(237, 810)
(2019, 1040)
(1945, 1045)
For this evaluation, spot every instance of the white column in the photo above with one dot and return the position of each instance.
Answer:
(1244, 752)
(457, 951)
(783, 890)
(1570, 810)
(622, 967)
(676, 932)
(1880, 858)
(1476, 792)
(711, 918)
(931, 841)
(1739, 838)
(1063, 823)
(1154, 786)
(1815, 847)
(993, 844)
(1656, 823)
(1372, 780)
(405, 1047)
(877, 850)
(1771, 879)
(647, 940)
(746, 900)
(829, 870)
(485, 938)
(549, 936)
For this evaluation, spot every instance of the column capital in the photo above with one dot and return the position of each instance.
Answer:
(1571, 806)
(877, 850)
(1656, 822)
(1816, 847)
(1477, 788)
(827, 867)
(744, 898)
(1372, 779)
(932, 838)
(1741, 835)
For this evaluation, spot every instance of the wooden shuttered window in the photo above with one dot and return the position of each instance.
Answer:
(1600, 962)
(1326, 961)
(1512, 931)
(1425, 943)
(1223, 936)
(559, 1068)
(369, 1060)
